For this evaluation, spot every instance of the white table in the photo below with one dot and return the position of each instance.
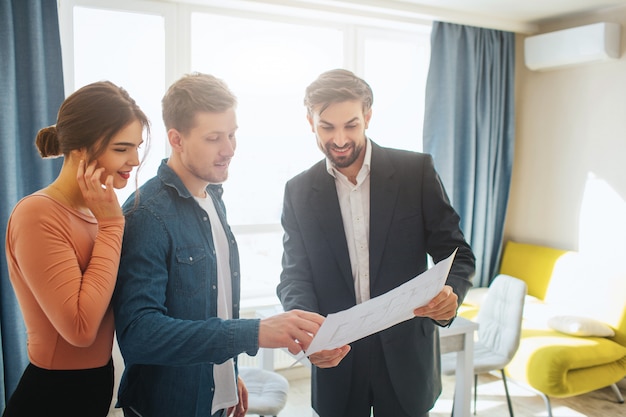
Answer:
(459, 337)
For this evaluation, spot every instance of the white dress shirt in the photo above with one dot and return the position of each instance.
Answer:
(354, 201)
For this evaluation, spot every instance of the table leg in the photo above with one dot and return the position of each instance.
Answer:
(464, 376)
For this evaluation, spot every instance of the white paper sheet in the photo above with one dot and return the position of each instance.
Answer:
(381, 312)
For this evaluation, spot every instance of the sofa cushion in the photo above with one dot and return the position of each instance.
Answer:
(560, 365)
(530, 263)
(580, 326)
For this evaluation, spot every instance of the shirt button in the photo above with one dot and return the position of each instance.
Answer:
(235, 273)
(205, 218)
(214, 286)
(190, 258)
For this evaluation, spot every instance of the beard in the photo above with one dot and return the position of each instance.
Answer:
(345, 160)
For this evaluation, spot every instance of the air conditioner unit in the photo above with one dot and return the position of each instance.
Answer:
(595, 42)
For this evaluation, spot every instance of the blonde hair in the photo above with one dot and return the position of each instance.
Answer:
(191, 94)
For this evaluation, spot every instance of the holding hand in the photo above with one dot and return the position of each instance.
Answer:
(442, 307)
(329, 358)
(293, 330)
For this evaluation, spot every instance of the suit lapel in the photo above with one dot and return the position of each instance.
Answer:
(325, 205)
(383, 196)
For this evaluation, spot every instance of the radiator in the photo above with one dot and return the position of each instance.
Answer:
(282, 359)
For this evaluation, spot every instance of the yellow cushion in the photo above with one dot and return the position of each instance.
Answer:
(531, 263)
(560, 365)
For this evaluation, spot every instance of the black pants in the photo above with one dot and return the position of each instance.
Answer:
(128, 412)
(371, 388)
(71, 393)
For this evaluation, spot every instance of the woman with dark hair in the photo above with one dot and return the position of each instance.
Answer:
(63, 248)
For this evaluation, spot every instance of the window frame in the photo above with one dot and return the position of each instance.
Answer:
(177, 16)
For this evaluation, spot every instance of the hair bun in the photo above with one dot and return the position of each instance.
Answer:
(47, 142)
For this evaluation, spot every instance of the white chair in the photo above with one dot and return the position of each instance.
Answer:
(267, 391)
(500, 323)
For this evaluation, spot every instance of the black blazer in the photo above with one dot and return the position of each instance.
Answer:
(410, 218)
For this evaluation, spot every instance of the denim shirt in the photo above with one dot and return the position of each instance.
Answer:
(165, 302)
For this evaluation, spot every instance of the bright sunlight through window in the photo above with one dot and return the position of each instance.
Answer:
(267, 60)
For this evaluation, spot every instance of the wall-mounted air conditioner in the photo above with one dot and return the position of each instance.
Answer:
(595, 42)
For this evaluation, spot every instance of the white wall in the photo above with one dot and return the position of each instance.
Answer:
(570, 125)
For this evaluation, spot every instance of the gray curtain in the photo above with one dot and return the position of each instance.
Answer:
(469, 127)
(31, 91)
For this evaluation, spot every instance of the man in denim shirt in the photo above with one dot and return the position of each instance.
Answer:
(177, 297)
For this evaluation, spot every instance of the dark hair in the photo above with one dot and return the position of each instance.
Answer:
(336, 86)
(191, 94)
(89, 118)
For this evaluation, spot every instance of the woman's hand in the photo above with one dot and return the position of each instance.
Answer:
(99, 198)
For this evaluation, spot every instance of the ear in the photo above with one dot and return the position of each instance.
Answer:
(79, 154)
(310, 119)
(175, 139)
(367, 117)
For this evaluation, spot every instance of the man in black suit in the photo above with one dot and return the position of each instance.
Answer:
(356, 225)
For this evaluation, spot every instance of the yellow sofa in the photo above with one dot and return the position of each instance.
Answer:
(564, 285)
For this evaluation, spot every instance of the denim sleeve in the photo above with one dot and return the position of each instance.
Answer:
(145, 332)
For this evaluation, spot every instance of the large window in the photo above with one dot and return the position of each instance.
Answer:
(267, 57)
(107, 45)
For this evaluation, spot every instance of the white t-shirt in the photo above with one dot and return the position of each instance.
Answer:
(225, 394)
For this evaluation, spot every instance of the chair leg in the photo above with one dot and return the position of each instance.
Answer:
(475, 391)
(618, 394)
(453, 397)
(506, 389)
(546, 400)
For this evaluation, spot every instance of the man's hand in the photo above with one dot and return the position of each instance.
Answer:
(329, 358)
(241, 408)
(441, 308)
(293, 330)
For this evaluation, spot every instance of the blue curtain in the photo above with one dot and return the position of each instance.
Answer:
(469, 127)
(31, 86)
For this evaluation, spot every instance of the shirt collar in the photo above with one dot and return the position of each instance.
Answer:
(169, 177)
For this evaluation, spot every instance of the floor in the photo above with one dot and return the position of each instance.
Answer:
(491, 400)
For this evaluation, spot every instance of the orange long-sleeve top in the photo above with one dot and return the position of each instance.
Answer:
(63, 266)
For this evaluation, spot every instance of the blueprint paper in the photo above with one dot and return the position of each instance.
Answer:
(381, 312)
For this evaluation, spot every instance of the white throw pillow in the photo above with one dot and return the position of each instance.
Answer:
(580, 326)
